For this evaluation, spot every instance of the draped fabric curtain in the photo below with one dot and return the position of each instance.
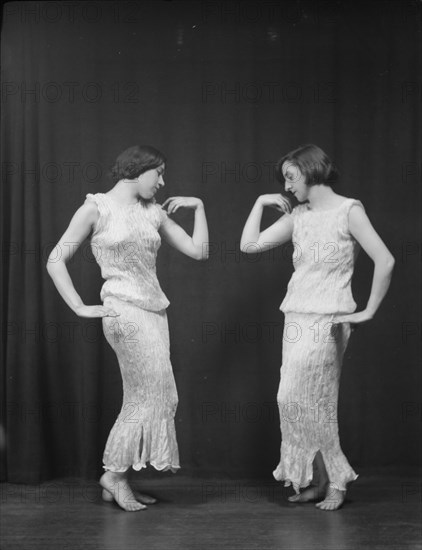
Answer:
(224, 89)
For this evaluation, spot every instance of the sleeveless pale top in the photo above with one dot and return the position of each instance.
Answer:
(323, 258)
(125, 242)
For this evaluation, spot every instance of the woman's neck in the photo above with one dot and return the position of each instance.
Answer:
(124, 192)
(321, 197)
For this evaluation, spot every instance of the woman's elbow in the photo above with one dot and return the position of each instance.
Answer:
(387, 262)
(250, 247)
(244, 246)
(52, 263)
(390, 262)
(201, 254)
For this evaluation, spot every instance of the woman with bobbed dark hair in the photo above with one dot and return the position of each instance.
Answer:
(327, 230)
(126, 225)
(313, 163)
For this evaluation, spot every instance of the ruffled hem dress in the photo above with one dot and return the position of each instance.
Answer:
(125, 242)
(313, 346)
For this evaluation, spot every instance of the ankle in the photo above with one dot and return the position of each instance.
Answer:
(115, 476)
(323, 484)
(333, 487)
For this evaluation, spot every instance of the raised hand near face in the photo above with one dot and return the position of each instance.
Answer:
(277, 201)
(174, 203)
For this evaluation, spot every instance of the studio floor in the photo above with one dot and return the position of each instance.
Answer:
(382, 511)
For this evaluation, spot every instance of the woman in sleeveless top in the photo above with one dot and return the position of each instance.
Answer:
(327, 230)
(127, 225)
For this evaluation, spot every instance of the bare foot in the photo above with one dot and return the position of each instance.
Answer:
(310, 494)
(118, 487)
(140, 497)
(333, 499)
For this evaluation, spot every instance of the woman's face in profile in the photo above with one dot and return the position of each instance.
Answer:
(295, 181)
(150, 181)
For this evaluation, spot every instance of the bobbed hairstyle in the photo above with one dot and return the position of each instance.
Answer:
(314, 164)
(136, 160)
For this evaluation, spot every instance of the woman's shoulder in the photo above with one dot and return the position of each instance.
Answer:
(92, 201)
(93, 206)
(92, 197)
(349, 202)
(160, 213)
(342, 200)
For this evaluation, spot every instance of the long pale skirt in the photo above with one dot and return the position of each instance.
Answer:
(144, 431)
(313, 350)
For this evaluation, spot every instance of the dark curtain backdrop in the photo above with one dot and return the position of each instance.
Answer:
(224, 89)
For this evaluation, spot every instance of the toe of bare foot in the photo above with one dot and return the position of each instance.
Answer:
(145, 499)
(333, 500)
(310, 494)
(133, 506)
(328, 506)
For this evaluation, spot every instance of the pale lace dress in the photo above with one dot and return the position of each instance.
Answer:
(313, 347)
(125, 243)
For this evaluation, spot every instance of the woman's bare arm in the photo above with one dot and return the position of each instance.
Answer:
(255, 240)
(78, 230)
(195, 246)
(362, 230)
